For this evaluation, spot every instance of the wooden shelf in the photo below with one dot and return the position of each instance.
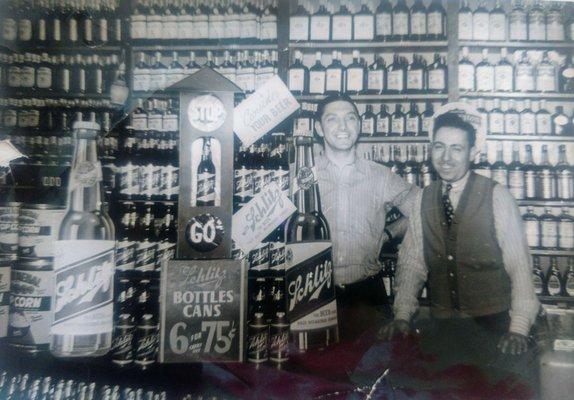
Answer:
(79, 48)
(155, 201)
(546, 203)
(558, 253)
(379, 97)
(556, 299)
(393, 139)
(160, 94)
(194, 45)
(519, 45)
(11, 93)
(541, 138)
(519, 95)
(395, 46)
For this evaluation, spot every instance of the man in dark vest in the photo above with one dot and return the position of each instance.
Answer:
(465, 239)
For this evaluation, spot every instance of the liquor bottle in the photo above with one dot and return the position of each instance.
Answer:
(516, 178)
(368, 122)
(554, 25)
(465, 22)
(566, 76)
(299, 24)
(413, 121)
(426, 174)
(466, 72)
(416, 75)
(307, 229)
(342, 25)
(559, 121)
(298, 75)
(499, 168)
(564, 176)
(543, 120)
(524, 78)
(320, 24)
(496, 119)
(481, 22)
(411, 168)
(436, 21)
(546, 75)
(527, 119)
(398, 121)
(396, 76)
(364, 24)
(483, 167)
(401, 21)
(565, 230)
(317, 76)
(418, 21)
(384, 21)
(437, 76)
(206, 177)
(568, 283)
(376, 76)
(517, 23)
(511, 119)
(497, 23)
(546, 177)
(175, 70)
(383, 122)
(356, 74)
(554, 278)
(532, 228)
(192, 66)
(536, 23)
(484, 74)
(25, 26)
(88, 229)
(427, 119)
(503, 73)
(538, 278)
(334, 75)
(530, 175)
(158, 72)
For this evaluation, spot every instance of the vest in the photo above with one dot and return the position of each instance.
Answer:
(466, 272)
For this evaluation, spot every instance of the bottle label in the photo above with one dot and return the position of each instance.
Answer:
(395, 81)
(560, 123)
(368, 126)
(86, 174)
(65, 83)
(564, 184)
(138, 27)
(383, 24)
(549, 234)
(524, 77)
(466, 77)
(243, 183)
(103, 37)
(206, 187)
(154, 27)
(82, 81)
(9, 229)
(154, 123)
(317, 82)
(333, 80)
(500, 176)
(426, 124)
(84, 287)
(527, 124)
(435, 25)
(268, 27)
(554, 285)
(397, 125)
(465, 26)
(415, 80)
(122, 345)
(277, 256)
(42, 30)
(497, 27)
(503, 78)
(10, 29)
(259, 258)
(566, 234)
(511, 124)
(480, 28)
(516, 184)
(297, 80)
(496, 123)
(570, 281)
(355, 79)
(484, 79)
(10, 118)
(14, 76)
(202, 29)
(413, 125)
(536, 26)
(532, 229)
(88, 26)
(141, 80)
(281, 178)
(216, 28)
(545, 78)
(320, 27)
(342, 27)
(418, 23)
(518, 26)
(299, 28)
(44, 78)
(25, 29)
(437, 79)
(364, 27)
(125, 255)
(139, 122)
(568, 73)
(302, 127)
(543, 124)
(170, 27)
(400, 23)
(375, 80)
(145, 256)
(72, 30)
(538, 283)
(27, 76)
(37, 230)
(554, 26)
(170, 123)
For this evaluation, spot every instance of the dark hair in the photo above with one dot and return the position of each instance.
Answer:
(454, 120)
(331, 99)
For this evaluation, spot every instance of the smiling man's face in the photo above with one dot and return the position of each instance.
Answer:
(340, 125)
(451, 153)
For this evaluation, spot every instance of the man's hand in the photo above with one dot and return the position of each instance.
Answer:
(513, 343)
(398, 326)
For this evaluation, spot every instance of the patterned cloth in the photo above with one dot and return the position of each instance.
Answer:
(447, 205)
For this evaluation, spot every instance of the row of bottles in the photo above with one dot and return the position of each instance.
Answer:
(243, 20)
(549, 231)
(535, 23)
(399, 123)
(64, 74)
(510, 117)
(343, 21)
(555, 282)
(155, 115)
(525, 75)
(62, 22)
(248, 71)
(527, 180)
(398, 77)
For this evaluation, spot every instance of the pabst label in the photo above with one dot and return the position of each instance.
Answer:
(518, 26)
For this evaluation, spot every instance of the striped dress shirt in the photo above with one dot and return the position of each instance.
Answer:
(412, 271)
(355, 199)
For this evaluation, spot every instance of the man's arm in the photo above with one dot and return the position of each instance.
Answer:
(399, 193)
(517, 261)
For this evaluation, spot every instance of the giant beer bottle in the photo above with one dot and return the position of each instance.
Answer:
(84, 263)
(311, 303)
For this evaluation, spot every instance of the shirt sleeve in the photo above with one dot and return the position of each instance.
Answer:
(399, 193)
(517, 261)
(411, 272)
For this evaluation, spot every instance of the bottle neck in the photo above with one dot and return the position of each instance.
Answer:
(307, 197)
(85, 190)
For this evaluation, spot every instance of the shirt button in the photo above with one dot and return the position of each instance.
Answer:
(450, 258)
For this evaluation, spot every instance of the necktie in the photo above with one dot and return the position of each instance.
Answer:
(447, 205)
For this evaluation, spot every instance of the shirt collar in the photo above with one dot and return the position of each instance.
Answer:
(323, 162)
(459, 185)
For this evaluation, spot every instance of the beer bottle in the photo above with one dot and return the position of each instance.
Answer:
(206, 178)
(308, 238)
(84, 262)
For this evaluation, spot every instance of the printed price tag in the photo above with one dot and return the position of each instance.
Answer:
(260, 217)
(263, 110)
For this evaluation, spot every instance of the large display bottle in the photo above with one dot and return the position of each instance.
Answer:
(310, 288)
(84, 262)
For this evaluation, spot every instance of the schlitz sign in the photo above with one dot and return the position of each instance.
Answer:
(203, 311)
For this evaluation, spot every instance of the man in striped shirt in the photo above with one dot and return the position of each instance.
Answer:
(356, 195)
(465, 239)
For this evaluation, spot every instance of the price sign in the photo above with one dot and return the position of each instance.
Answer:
(203, 311)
